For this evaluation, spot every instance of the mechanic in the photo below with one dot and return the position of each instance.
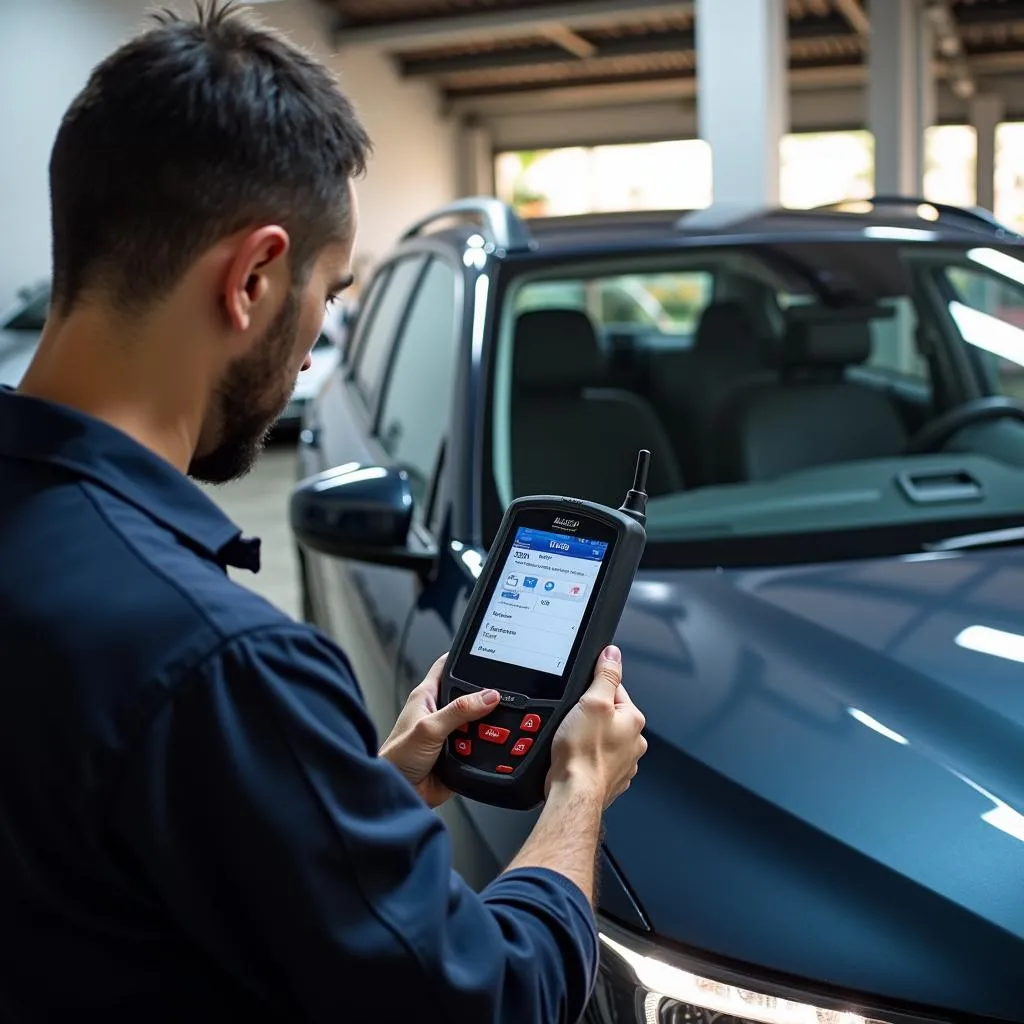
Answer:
(195, 821)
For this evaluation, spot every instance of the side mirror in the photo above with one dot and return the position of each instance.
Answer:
(359, 512)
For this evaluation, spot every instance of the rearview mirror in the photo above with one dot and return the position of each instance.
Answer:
(358, 512)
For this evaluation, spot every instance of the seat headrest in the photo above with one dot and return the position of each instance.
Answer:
(556, 348)
(725, 326)
(834, 344)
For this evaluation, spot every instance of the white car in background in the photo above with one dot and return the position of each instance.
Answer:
(20, 327)
(22, 324)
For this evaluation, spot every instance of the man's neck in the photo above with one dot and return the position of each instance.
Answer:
(97, 368)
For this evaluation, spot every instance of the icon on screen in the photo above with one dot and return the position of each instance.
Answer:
(576, 590)
(529, 582)
(549, 585)
(512, 580)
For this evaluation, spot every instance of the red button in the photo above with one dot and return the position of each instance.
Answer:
(492, 733)
(463, 747)
(530, 723)
(521, 746)
(504, 769)
(463, 728)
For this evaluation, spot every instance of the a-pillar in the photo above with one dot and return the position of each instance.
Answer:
(987, 111)
(901, 93)
(743, 95)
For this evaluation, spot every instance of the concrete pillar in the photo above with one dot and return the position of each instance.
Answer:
(742, 95)
(476, 160)
(901, 93)
(987, 111)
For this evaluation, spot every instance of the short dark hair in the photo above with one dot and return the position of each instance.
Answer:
(196, 129)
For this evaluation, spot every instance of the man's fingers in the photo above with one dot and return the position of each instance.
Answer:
(622, 697)
(467, 707)
(608, 674)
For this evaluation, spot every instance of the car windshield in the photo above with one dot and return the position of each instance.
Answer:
(801, 401)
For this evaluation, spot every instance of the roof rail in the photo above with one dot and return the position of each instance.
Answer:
(720, 215)
(507, 230)
(975, 213)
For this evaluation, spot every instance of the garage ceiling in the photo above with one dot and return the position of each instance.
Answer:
(481, 51)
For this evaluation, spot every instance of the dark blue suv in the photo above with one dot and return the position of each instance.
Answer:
(827, 631)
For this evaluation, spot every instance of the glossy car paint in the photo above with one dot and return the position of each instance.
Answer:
(831, 778)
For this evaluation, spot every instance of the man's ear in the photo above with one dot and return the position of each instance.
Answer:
(257, 261)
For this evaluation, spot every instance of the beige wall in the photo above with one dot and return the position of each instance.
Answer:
(415, 164)
(48, 48)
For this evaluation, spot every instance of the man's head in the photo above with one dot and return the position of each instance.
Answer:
(204, 175)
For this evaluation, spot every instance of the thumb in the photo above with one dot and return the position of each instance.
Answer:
(608, 674)
(467, 707)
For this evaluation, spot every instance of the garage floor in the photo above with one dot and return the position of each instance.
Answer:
(259, 505)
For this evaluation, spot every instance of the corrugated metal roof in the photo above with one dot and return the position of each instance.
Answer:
(632, 45)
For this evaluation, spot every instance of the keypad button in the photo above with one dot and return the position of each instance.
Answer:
(521, 746)
(462, 728)
(504, 769)
(463, 747)
(530, 723)
(492, 733)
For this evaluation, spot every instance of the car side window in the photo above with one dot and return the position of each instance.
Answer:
(371, 360)
(417, 398)
(989, 313)
(364, 315)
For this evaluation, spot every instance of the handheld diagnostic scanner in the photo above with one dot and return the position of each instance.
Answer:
(546, 604)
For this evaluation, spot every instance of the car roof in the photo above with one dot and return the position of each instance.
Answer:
(879, 218)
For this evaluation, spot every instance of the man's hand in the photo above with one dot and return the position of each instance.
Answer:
(419, 734)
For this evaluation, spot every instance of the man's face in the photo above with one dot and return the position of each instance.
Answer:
(256, 387)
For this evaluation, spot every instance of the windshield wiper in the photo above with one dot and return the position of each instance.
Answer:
(989, 539)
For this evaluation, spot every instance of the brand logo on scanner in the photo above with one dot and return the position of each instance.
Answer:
(569, 524)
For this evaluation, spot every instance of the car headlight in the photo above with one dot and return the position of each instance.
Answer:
(668, 990)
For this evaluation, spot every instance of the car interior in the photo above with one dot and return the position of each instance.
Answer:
(802, 380)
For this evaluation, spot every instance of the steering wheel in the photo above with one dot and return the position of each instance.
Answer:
(934, 434)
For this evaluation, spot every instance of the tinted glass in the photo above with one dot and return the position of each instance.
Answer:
(364, 317)
(668, 302)
(782, 393)
(372, 356)
(989, 312)
(417, 401)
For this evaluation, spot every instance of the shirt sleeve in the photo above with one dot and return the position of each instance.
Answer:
(308, 868)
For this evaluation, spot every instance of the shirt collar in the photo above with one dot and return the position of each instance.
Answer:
(35, 430)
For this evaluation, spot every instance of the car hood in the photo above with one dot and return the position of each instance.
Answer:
(16, 351)
(835, 772)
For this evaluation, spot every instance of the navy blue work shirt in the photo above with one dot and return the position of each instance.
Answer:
(194, 822)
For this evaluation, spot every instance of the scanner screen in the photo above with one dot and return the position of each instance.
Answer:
(539, 600)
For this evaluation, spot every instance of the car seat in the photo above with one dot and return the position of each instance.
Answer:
(811, 416)
(688, 385)
(569, 433)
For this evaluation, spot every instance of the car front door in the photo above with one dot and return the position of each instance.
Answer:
(391, 409)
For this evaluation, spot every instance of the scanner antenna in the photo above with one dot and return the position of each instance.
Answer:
(635, 504)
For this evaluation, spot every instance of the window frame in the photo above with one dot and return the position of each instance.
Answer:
(424, 512)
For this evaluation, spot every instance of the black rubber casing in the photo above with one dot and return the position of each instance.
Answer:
(523, 788)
